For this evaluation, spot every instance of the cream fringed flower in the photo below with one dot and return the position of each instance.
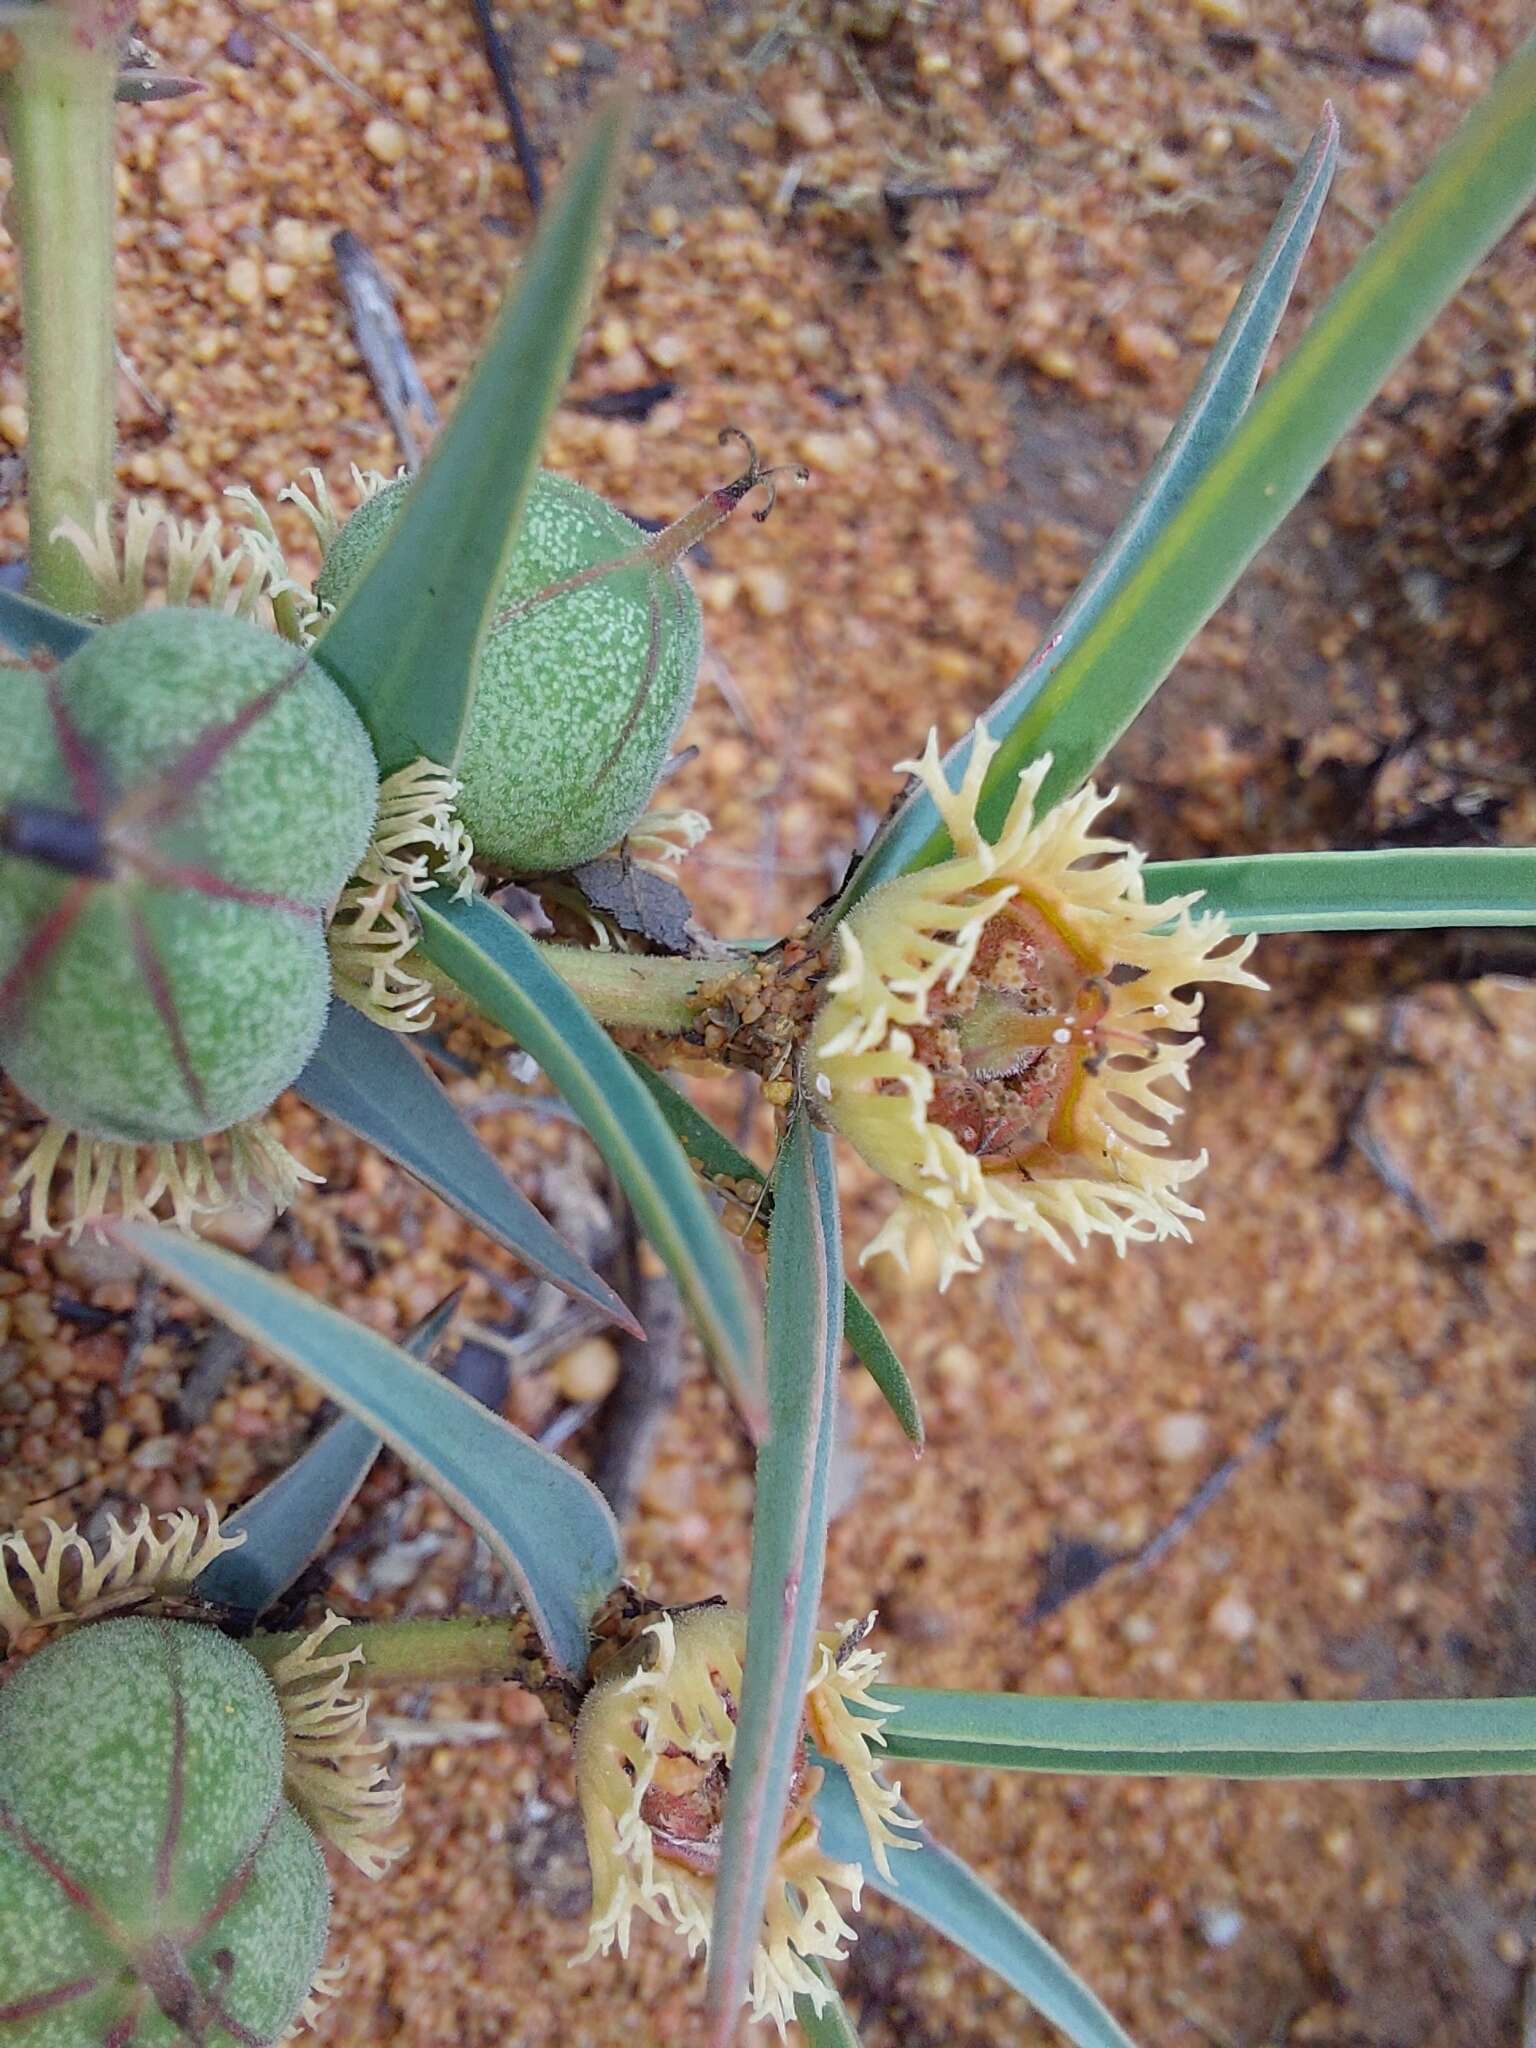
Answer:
(418, 843)
(1000, 1029)
(653, 1757)
(197, 566)
(332, 1773)
(662, 840)
(69, 1582)
(105, 1178)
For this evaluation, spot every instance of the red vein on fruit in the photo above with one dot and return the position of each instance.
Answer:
(71, 1887)
(159, 800)
(80, 760)
(638, 702)
(161, 994)
(39, 2002)
(167, 874)
(51, 933)
(176, 1789)
(237, 1880)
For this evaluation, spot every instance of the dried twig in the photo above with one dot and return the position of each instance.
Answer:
(408, 1734)
(500, 60)
(308, 52)
(143, 1322)
(650, 1373)
(390, 364)
(1359, 1135)
(164, 415)
(221, 1350)
(1072, 1567)
(1366, 63)
(1205, 1495)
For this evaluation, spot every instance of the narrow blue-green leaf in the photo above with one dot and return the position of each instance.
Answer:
(831, 2027)
(1221, 395)
(875, 1352)
(289, 1522)
(405, 644)
(28, 628)
(372, 1081)
(548, 1525)
(1216, 1738)
(705, 1143)
(1358, 1764)
(789, 1541)
(938, 1888)
(499, 968)
(1396, 889)
(1473, 191)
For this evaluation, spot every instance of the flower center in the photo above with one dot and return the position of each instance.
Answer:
(684, 1805)
(1008, 1045)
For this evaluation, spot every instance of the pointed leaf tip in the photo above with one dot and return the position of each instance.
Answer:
(405, 644)
(374, 1083)
(288, 1523)
(543, 1521)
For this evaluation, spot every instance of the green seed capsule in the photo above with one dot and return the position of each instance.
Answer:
(579, 697)
(150, 1869)
(182, 802)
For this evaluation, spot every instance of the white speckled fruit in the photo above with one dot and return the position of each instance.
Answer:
(149, 1864)
(579, 700)
(212, 909)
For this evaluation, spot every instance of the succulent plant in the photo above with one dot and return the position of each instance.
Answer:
(584, 679)
(154, 1882)
(990, 1009)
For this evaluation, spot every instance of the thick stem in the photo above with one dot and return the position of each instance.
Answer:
(642, 990)
(473, 1650)
(59, 111)
(468, 1650)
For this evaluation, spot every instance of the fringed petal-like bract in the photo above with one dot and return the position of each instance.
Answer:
(1001, 1030)
(653, 1757)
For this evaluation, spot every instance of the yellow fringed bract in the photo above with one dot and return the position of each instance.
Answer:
(654, 1745)
(1001, 1030)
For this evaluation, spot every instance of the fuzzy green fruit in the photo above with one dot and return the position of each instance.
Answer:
(149, 1865)
(575, 710)
(182, 983)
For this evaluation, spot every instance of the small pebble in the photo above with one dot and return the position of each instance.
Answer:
(1220, 1926)
(1233, 1618)
(93, 1262)
(805, 116)
(1178, 1437)
(242, 280)
(588, 1371)
(767, 589)
(385, 140)
(182, 184)
(1396, 31)
(958, 1366)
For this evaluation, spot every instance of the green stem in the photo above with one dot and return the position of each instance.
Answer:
(471, 1650)
(60, 115)
(641, 990)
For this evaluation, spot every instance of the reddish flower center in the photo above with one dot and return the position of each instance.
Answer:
(684, 1806)
(1008, 1046)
